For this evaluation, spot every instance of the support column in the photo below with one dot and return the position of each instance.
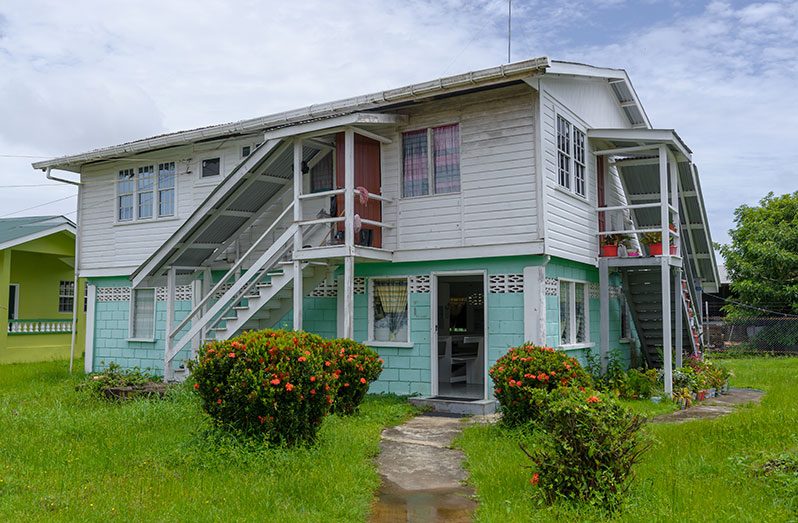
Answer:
(604, 313)
(349, 233)
(667, 346)
(168, 371)
(5, 282)
(678, 308)
(88, 326)
(298, 290)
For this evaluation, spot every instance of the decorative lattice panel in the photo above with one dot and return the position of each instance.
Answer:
(360, 285)
(182, 293)
(113, 293)
(419, 284)
(223, 289)
(326, 289)
(594, 291)
(552, 287)
(477, 299)
(615, 291)
(506, 283)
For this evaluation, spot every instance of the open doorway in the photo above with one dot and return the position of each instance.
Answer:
(460, 336)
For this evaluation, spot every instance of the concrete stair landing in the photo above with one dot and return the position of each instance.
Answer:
(464, 407)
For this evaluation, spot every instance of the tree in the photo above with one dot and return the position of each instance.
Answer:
(762, 259)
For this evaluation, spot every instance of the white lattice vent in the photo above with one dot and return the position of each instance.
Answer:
(182, 293)
(476, 299)
(615, 291)
(360, 285)
(113, 293)
(506, 283)
(419, 284)
(593, 289)
(223, 289)
(326, 289)
(551, 287)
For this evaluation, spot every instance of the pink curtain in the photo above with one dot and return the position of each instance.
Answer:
(446, 140)
(415, 178)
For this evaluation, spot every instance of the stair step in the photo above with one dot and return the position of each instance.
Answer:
(219, 329)
(229, 318)
(263, 286)
(241, 308)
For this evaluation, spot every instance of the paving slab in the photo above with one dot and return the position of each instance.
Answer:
(422, 476)
(713, 407)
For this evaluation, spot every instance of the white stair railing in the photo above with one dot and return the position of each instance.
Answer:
(201, 316)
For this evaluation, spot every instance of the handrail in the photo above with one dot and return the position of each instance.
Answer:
(232, 270)
(244, 283)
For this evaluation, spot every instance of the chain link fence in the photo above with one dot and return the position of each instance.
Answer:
(776, 335)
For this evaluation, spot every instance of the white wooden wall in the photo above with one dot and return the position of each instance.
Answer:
(497, 203)
(108, 247)
(571, 221)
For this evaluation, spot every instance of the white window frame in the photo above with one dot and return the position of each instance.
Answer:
(156, 190)
(131, 315)
(61, 295)
(430, 160)
(572, 314)
(571, 155)
(370, 318)
(212, 177)
(159, 190)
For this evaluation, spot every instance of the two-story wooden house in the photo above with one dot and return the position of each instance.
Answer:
(440, 223)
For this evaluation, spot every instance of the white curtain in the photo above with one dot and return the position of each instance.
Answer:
(391, 295)
(143, 314)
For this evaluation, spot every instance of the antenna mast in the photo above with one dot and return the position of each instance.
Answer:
(509, 27)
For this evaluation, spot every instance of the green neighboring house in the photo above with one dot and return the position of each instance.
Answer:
(37, 288)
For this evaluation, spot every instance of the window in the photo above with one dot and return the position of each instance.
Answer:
(13, 301)
(142, 314)
(211, 167)
(66, 296)
(573, 313)
(321, 175)
(436, 173)
(245, 151)
(145, 184)
(144, 194)
(125, 188)
(571, 161)
(166, 189)
(388, 310)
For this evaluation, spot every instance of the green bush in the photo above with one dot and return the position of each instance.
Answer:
(591, 443)
(115, 376)
(359, 366)
(523, 375)
(273, 384)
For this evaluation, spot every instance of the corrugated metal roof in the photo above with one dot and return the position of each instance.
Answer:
(14, 230)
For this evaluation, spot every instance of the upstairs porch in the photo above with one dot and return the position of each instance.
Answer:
(657, 221)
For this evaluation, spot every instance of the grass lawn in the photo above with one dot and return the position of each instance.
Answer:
(67, 456)
(696, 471)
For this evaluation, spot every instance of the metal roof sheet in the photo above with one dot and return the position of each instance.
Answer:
(14, 231)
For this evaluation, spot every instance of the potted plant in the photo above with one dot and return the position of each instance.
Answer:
(610, 243)
(654, 242)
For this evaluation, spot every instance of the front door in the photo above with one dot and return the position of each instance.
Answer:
(460, 338)
(367, 175)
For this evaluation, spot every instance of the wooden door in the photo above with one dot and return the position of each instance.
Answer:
(367, 174)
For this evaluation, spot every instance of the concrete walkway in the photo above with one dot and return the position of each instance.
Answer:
(713, 408)
(422, 476)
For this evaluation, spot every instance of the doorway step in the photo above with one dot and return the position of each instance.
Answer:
(463, 407)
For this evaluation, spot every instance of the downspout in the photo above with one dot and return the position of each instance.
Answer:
(75, 301)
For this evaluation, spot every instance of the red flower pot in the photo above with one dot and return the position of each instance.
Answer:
(609, 251)
(655, 249)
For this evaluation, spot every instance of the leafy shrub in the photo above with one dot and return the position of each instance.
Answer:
(590, 446)
(523, 376)
(274, 384)
(359, 366)
(115, 376)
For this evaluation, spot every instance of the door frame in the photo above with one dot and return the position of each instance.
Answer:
(434, 275)
(16, 299)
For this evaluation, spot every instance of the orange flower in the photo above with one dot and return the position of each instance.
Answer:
(289, 387)
(219, 401)
(313, 378)
(196, 386)
(363, 381)
(593, 399)
(327, 363)
(312, 392)
(275, 381)
(302, 359)
(535, 478)
(346, 384)
(232, 355)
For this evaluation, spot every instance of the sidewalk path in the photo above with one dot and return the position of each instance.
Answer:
(713, 408)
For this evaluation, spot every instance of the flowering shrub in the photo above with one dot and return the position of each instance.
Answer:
(523, 376)
(591, 443)
(271, 383)
(359, 366)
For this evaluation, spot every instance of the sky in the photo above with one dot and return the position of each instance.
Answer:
(84, 74)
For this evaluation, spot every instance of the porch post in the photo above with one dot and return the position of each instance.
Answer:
(678, 307)
(604, 313)
(667, 347)
(5, 282)
(298, 291)
(674, 183)
(168, 371)
(349, 232)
